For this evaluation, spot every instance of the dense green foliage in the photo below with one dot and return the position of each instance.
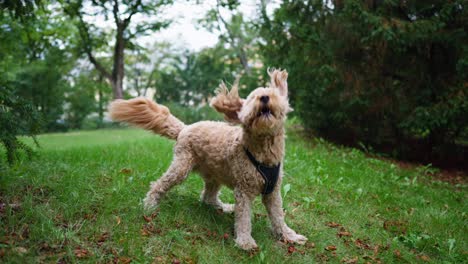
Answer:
(17, 117)
(80, 201)
(389, 74)
(31, 81)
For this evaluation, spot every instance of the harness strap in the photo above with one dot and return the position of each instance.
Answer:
(269, 173)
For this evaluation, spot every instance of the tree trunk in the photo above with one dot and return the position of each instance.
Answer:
(338, 4)
(118, 69)
(100, 103)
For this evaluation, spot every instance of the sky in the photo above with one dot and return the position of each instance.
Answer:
(183, 31)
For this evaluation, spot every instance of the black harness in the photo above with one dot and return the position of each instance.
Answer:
(269, 173)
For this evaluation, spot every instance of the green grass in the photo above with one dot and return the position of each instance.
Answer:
(80, 200)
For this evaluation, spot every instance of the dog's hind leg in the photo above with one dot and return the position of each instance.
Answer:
(177, 172)
(210, 195)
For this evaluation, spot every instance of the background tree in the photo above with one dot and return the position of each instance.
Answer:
(17, 114)
(124, 33)
(385, 74)
(191, 77)
(239, 37)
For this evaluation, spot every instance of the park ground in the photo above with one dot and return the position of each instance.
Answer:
(79, 200)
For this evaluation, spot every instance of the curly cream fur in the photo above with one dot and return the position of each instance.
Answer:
(216, 150)
(146, 114)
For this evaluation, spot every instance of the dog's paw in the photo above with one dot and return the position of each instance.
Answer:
(246, 243)
(227, 208)
(295, 238)
(150, 203)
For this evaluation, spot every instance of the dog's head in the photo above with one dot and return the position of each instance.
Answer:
(263, 111)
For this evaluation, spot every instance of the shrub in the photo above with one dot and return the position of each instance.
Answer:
(17, 117)
(192, 114)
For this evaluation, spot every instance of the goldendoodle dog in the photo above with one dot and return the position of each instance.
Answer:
(248, 158)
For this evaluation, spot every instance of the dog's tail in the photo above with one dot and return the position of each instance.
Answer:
(146, 114)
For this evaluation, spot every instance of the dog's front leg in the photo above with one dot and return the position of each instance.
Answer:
(274, 205)
(243, 225)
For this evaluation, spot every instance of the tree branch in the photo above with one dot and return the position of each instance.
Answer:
(133, 10)
(239, 46)
(115, 12)
(86, 38)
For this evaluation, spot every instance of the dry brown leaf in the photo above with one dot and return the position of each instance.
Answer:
(124, 260)
(361, 244)
(147, 218)
(350, 260)
(126, 171)
(175, 261)
(158, 259)
(424, 258)
(310, 245)
(330, 248)
(118, 220)
(343, 233)
(103, 237)
(376, 250)
(20, 250)
(397, 253)
(291, 249)
(333, 224)
(81, 253)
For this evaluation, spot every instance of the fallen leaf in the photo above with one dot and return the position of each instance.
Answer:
(376, 250)
(147, 218)
(126, 171)
(44, 246)
(350, 260)
(333, 224)
(175, 261)
(90, 216)
(330, 248)
(124, 260)
(154, 214)
(322, 258)
(158, 259)
(2, 252)
(291, 249)
(118, 220)
(81, 253)
(424, 258)
(226, 236)
(148, 229)
(103, 237)
(361, 244)
(310, 245)
(25, 233)
(343, 233)
(20, 250)
(397, 253)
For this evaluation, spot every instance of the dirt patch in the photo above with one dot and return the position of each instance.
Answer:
(451, 176)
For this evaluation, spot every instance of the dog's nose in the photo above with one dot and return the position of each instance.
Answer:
(264, 99)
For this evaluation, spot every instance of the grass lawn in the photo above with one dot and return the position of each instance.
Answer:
(80, 200)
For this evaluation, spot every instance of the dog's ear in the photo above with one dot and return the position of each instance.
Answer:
(228, 102)
(278, 79)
